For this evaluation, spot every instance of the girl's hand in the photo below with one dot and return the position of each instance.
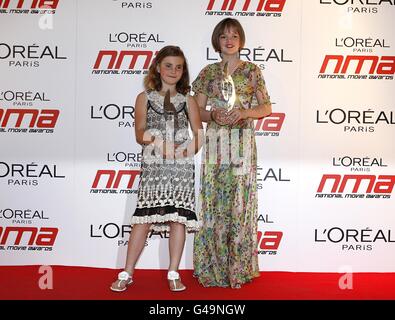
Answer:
(168, 150)
(181, 153)
(158, 142)
(174, 151)
(236, 115)
(220, 116)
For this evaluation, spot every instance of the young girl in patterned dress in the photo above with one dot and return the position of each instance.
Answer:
(166, 193)
(225, 248)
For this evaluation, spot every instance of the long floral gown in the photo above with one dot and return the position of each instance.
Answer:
(225, 247)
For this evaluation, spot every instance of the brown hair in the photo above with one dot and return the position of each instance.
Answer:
(152, 80)
(220, 28)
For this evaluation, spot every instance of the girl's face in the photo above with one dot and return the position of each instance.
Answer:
(170, 69)
(229, 41)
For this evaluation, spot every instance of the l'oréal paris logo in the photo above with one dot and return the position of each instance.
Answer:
(360, 6)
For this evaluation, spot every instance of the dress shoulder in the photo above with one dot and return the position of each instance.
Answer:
(204, 80)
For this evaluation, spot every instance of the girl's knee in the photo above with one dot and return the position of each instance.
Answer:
(177, 225)
(143, 226)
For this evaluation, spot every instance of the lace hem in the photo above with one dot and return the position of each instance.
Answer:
(159, 222)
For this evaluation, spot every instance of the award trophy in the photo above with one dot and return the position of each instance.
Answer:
(228, 88)
(171, 114)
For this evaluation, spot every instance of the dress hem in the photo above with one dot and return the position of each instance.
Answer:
(159, 222)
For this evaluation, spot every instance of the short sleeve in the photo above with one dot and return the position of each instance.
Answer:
(259, 85)
(198, 85)
(204, 82)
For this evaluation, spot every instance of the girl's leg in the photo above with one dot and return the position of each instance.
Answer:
(176, 244)
(176, 247)
(136, 245)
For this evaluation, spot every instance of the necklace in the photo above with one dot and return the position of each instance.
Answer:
(230, 69)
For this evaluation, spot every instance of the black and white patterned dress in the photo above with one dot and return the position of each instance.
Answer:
(167, 187)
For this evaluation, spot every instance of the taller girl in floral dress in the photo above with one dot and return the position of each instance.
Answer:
(225, 248)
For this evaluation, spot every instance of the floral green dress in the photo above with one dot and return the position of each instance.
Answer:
(225, 248)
